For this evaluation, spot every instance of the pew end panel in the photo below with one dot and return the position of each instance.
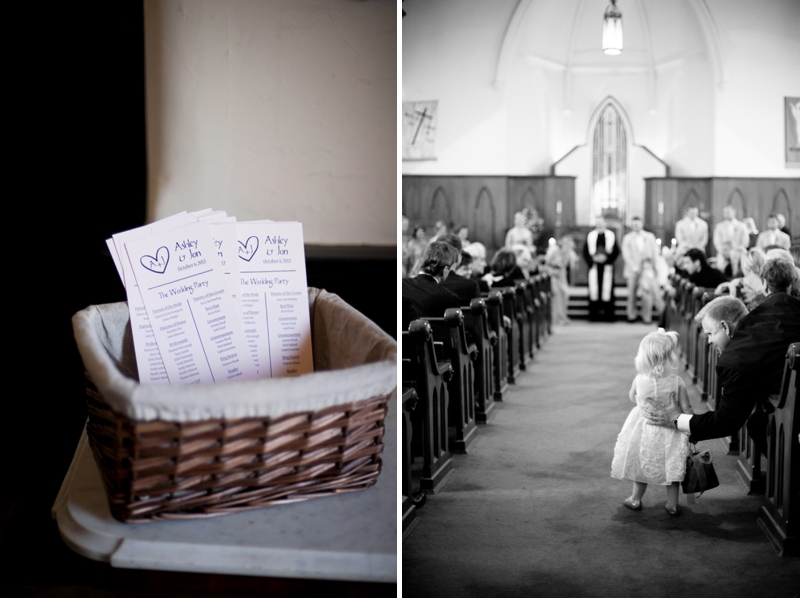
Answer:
(411, 501)
(779, 517)
(494, 309)
(430, 378)
(477, 324)
(450, 332)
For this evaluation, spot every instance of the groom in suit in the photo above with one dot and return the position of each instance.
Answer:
(637, 246)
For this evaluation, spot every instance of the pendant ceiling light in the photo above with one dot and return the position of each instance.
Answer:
(612, 29)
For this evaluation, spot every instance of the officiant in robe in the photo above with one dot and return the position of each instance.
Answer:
(600, 252)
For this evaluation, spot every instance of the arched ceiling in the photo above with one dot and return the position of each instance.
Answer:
(566, 35)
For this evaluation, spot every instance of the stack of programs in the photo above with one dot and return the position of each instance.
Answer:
(212, 299)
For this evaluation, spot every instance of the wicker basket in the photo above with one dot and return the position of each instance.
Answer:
(182, 452)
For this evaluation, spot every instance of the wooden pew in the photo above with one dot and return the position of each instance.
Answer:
(494, 310)
(686, 315)
(527, 325)
(411, 500)
(509, 298)
(671, 304)
(546, 297)
(429, 377)
(476, 321)
(780, 515)
(695, 334)
(450, 332)
(749, 459)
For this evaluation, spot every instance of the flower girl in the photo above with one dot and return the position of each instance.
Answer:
(646, 453)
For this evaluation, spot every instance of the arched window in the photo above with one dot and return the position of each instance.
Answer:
(610, 166)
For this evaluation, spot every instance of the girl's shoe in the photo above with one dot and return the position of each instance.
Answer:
(673, 510)
(633, 503)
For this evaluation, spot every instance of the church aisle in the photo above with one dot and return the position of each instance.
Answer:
(532, 510)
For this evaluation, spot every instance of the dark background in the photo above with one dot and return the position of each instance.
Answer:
(77, 175)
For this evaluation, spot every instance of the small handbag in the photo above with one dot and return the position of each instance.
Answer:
(700, 475)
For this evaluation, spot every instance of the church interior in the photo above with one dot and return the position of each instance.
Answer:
(514, 107)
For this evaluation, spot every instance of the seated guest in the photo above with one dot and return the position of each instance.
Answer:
(424, 292)
(699, 272)
(439, 229)
(779, 276)
(750, 369)
(464, 287)
(786, 256)
(478, 266)
(414, 249)
(525, 260)
(751, 264)
(733, 269)
(505, 272)
(463, 233)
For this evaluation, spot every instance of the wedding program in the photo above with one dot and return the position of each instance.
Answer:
(213, 300)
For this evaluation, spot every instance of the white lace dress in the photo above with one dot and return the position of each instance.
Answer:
(646, 452)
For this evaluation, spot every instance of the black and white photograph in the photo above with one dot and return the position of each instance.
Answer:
(600, 222)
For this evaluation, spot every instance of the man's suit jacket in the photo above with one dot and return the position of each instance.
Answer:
(632, 255)
(691, 233)
(465, 288)
(731, 231)
(428, 298)
(708, 278)
(768, 237)
(751, 367)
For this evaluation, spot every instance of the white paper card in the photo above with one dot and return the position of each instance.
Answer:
(193, 315)
(274, 297)
(148, 358)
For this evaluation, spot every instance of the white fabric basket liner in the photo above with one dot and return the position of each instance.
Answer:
(353, 360)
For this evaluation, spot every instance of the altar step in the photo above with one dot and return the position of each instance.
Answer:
(578, 306)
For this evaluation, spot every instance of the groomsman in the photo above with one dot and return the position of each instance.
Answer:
(638, 246)
(773, 235)
(691, 231)
(730, 231)
(600, 252)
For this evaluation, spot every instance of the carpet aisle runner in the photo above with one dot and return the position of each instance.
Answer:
(533, 511)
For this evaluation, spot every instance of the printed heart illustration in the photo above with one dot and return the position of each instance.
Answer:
(248, 249)
(156, 264)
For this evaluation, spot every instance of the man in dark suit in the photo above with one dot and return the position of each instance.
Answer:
(464, 287)
(699, 271)
(750, 368)
(424, 293)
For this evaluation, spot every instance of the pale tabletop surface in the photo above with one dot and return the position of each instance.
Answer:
(346, 537)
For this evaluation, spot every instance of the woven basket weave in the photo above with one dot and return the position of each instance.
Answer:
(157, 470)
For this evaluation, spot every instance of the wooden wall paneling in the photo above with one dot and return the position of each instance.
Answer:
(562, 189)
(756, 198)
(488, 212)
(411, 199)
(441, 207)
(544, 193)
(483, 225)
(477, 201)
(781, 205)
(661, 222)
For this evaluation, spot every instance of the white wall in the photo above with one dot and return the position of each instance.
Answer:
(275, 109)
(761, 50)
